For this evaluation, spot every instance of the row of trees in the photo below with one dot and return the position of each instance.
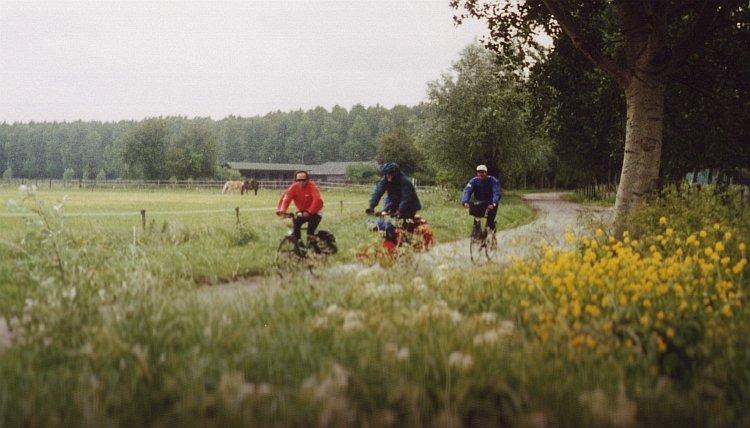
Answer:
(160, 148)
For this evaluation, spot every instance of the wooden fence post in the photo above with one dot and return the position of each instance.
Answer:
(143, 219)
(237, 211)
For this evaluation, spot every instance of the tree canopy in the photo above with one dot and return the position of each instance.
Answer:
(478, 115)
(640, 45)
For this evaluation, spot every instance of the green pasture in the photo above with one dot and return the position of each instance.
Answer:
(110, 329)
(202, 236)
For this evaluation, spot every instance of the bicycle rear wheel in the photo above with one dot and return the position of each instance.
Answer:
(288, 255)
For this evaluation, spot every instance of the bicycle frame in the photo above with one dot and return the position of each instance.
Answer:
(293, 254)
(482, 239)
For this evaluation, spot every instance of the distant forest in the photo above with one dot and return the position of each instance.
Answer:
(95, 149)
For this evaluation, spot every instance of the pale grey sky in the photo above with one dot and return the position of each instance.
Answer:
(114, 60)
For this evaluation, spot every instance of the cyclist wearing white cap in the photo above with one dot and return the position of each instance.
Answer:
(486, 191)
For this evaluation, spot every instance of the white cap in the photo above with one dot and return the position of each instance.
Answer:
(482, 168)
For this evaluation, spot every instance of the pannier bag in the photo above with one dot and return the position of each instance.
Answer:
(326, 241)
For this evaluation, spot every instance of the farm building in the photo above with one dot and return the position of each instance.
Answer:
(265, 171)
(331, 172)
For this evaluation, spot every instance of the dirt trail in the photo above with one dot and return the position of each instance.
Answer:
(554, 215)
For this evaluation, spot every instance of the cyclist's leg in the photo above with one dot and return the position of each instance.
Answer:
(491, 218)
(313, 220)
(297, 223)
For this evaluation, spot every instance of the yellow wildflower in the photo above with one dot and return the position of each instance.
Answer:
(728, 236)
(661, 345)
(669, 232)
(726, 311)
(719, 247)
(742, 247)
(663, 220)
(670, 332)
(716, 226)
(703, 234)
(590, 342)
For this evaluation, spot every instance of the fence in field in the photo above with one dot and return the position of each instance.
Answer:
(217, 185)
(601, 191)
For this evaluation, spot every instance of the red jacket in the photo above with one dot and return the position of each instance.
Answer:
(307, 199)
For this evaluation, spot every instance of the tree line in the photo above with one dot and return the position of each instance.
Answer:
(164, 147)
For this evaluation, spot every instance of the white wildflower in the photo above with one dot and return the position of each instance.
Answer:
(264, 389)
(456, 316)
(403, 354)
(23, 189)
(352, 322)
(460, 361)
(332, 308)
(488, 317)
(489, 337)
(506, 327)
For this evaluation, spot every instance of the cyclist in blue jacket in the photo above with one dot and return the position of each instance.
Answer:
(486, 191)
(402, 196)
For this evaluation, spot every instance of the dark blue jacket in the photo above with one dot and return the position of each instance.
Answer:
(487, 191)
(401, 192)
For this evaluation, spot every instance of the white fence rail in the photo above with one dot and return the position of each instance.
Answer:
(174, 184)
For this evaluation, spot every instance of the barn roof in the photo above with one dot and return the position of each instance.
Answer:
(264, 166)
(331, 168)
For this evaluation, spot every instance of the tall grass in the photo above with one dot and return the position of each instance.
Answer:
(561, 338)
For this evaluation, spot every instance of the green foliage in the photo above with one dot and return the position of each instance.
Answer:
(8, 174)
(145, 149)
(477, 115)
(68, 174)
(101, 175)
(362, 173)
(195, 153)
(583, 112)
(227, 174)
(691, 207)
(398, 146)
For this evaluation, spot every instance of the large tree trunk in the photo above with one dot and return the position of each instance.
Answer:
(643, 142)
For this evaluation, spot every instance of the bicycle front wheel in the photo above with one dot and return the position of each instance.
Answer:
(477, 245)
(490, 245)
(287, 256)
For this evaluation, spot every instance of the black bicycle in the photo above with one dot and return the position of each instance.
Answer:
(483, 239)
(294, 254)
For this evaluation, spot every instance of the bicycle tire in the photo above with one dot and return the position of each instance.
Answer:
(477, 244)
(490, 245)
(288, 255)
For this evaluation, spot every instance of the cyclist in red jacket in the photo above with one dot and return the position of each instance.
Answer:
(306, 197)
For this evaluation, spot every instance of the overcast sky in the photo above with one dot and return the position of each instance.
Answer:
(112, 60)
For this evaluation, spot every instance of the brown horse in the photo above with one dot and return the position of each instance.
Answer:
(249, 185)
(242, 186)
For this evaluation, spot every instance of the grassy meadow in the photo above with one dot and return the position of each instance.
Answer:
(114, 325)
